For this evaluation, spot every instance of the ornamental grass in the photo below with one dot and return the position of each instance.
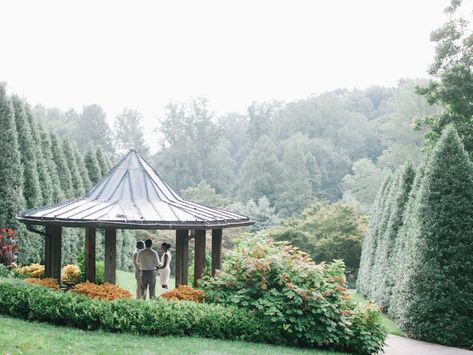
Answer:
(47, 282)
(106, 291)
(184, 293)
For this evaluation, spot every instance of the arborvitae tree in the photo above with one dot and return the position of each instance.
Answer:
(315, 176)
(92, 165)
(11, 174)
(102, 161)
(58, 195)
(77, 183)
(403, 248)
(384, 220)
(294, 189)
(82, 170)
(62, 167)
(440, 283)
(383, 281)
(44, 176)
(370, 240)
(28, 152)
(260, 172)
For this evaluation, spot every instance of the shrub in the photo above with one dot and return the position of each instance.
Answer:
(106, 291)
(99, 269)
(33, 270)
(160, 317)
(8, 246)
(305, 303)
(4, 272)
(437, 296)
(71, 274)
(184, 292)
(47, 282)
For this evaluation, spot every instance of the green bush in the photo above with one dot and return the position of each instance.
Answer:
(305, 303)
(4, 272)
(160, 317)
(99, 269)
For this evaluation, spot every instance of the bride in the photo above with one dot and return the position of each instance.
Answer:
(165, 265)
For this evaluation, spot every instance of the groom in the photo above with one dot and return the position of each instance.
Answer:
(149, 261)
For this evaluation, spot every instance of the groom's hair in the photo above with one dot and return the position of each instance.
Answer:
(148, 243)
(140, 245)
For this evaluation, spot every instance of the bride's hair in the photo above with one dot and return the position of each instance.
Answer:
(166, 246)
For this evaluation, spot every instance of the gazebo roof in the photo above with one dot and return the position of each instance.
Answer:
(132, 195)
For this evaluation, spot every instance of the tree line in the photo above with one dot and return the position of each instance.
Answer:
(40, 169)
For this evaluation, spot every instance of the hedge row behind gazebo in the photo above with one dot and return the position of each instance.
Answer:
(132, 196)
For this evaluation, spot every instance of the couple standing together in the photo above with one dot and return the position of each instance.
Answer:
(147, 262)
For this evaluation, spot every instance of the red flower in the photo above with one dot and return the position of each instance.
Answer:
(3, 230)
(10, 232)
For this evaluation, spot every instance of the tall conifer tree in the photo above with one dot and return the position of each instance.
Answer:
(102, 161)
(63, 171)
(440, 281)
(46, 147)
(11, 174)
(77, 182)
(92, 166)
(28, 152)
(82, 170)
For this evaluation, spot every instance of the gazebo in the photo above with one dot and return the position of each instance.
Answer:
(132, 196)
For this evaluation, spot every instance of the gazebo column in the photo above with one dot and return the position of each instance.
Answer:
(52, 251)
(110, 255)
(199, 255)
(182, 257)
(216, 250)
(90, 242)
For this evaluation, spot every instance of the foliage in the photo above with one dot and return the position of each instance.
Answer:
(205, 194)
(8, 246)
(106, 291)
(129, 133)
(439, 281)
(99, 269)
(327, 232)
(451, 86)
(260, 212)
(32, 271)
(184, 293)
(92, 165)
(160, 317)
(306, 303)
(47, 282)
(4, 270)
(71, 274)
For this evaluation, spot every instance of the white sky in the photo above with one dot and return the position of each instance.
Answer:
(141, 54)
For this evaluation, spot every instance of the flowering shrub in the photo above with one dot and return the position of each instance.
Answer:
(71, 274)
(8, 246)
(184, 293)
(106, 291)
(306, 304)
(33, 270)
(48, 282)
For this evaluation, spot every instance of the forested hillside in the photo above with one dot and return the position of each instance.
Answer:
(280, 157)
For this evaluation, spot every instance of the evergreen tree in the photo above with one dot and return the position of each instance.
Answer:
(102, 161)
(370, 240)
(58, 195)
(383, 281)
(76, 178)
(314, 174)
(403, 248)
(260, 172)
(63, 171)
(11, 176)
(92, 165)
(82, 170)
(28, 152)
(44, 174)
(440, 281)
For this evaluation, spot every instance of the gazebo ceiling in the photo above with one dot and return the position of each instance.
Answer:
(132, 195)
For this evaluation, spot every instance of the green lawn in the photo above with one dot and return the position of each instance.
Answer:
(22, 337)
(127, 281)
(390, 326)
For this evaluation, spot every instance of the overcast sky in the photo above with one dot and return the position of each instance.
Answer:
(142, 54)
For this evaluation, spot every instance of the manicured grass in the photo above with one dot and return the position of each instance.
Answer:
(390, 326)
(22, 337)
(127, 281)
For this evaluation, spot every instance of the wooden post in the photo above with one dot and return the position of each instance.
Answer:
(53, 246)
(110, 255)
(182, 257)
(90, 254)
(199, 256)
(216, 250)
